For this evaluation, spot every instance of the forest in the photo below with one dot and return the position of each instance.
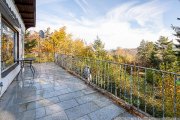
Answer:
(161, 55)
(146, 77)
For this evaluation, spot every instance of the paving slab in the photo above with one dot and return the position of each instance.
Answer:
(53, 109)
(59, 116)
(81, 110)
(126, 116)
(68, 104)
(70, 95)
(29, 115)
(106, 113)
(102, 101)
(89, 97)
(84, 118)
(40, 112)
(88, 91)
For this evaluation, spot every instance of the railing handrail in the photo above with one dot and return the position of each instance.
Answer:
(162, 71)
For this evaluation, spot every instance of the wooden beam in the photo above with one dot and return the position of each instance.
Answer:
(26, 12)
(20, 3)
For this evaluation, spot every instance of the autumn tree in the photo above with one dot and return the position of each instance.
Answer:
(61, 41)
(144, 53)
(78, 47)
(123, 55)
(98, 47)
(88, 51)
(30, 42)
(164, 51)
(177, 46)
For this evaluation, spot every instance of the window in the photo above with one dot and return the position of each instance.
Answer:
(7, 46)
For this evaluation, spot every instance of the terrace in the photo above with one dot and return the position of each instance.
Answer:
(55, 94)
(74, 87)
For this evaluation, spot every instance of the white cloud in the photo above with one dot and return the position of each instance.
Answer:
(43, 2)
(115, 28)
(83, 5)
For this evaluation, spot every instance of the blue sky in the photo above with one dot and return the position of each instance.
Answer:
(119, 23)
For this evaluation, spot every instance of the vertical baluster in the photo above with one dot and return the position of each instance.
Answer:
(80, 64)
(90, 66)
(104, 75)
(145, 83)
(79, 68)
(111, 78)
(138, 89)
(96, 73)
(131, 84)
(125, 82)
(75, 64)
(120, 81)
(153, 93)
(97, 68)
(72, 63)
(174, 102)
(63, 62)
(115, 80)
(101, 72)
(60, 60)
(93, 71)
(108, 77)
(163, 96)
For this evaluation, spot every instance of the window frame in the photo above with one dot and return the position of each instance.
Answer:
(7, 70)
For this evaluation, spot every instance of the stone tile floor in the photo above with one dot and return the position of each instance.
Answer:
(54, 94)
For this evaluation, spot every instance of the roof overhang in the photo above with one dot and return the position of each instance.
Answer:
(27, 10)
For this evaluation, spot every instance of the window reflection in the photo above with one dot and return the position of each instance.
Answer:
(7, 46)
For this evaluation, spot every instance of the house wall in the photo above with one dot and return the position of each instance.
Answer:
(7, 80)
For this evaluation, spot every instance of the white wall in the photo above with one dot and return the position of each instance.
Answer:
(0, 47)
(13, 7)
(8, 79)
(11, 76)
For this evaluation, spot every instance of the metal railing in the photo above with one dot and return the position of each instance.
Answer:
(153, 91)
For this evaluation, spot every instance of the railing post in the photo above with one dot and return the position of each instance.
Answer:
(108, 77)
(163, 95)
(114, 80)
(138, 89)
(120, 82)
(174, 102)
(125, 92)
(131, 84)
(145, 84)
(111, 79)
(153, 93)
(104, 75)
(101, 72)
(96, 73)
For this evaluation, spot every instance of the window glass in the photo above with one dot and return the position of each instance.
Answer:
(7, 46)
